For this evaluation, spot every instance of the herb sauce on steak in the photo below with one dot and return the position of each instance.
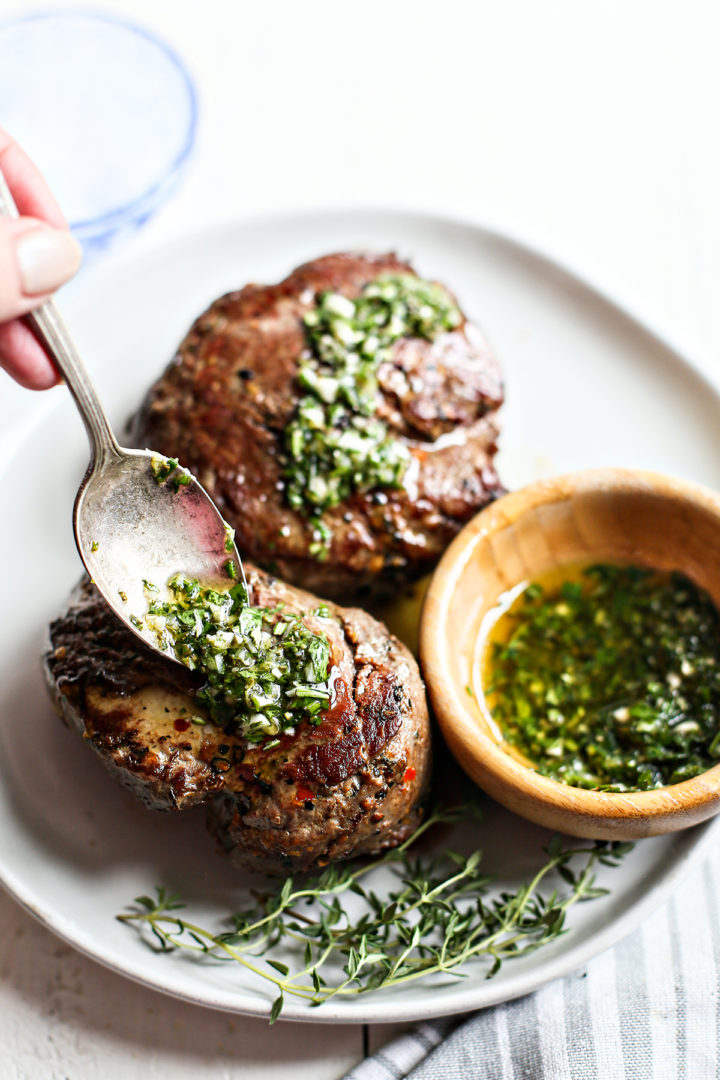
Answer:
(351, 784)
(227, 406)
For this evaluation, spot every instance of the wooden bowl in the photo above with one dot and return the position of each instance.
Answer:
(591, 516)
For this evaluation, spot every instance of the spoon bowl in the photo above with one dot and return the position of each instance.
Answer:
(132, 529)
(598, 515)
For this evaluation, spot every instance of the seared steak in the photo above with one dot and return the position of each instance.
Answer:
(224, 402)
(350, 786)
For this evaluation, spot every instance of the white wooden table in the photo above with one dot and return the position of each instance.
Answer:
(592, 131)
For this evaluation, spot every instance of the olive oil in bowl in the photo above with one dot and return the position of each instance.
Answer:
(605, 677)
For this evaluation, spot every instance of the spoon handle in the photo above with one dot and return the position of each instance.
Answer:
(55, 338)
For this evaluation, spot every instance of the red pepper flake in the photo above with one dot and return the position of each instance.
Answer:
(303, 794)
(410, 774)
(181, 725)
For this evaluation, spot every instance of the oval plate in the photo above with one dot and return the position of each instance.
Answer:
(587, 385)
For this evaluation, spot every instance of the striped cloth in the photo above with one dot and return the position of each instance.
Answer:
(649, 1009)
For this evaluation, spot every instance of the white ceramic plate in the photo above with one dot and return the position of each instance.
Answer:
(587, 385)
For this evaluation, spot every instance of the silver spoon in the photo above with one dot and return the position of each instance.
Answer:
(130, 528)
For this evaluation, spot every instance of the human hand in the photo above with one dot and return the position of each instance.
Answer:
(37, 256)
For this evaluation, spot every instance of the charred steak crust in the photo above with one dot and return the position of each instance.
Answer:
(223, 404)
(352, 785)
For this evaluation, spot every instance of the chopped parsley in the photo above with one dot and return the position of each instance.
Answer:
(610, 682)
(164, 469)
(335, 445)
(266, 671)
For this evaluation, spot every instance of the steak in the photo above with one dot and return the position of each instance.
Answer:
(223, 404)
(352, 785)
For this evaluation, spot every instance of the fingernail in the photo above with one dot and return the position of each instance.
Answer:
(47, 259)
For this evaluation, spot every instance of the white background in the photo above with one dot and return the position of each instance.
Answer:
(589, 129)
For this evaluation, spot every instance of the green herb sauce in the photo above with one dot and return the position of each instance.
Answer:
(611, 681)
(335, 444)
(266, 671)
(164, 469)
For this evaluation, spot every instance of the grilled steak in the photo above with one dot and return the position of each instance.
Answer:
(350, 786)
(223, 404)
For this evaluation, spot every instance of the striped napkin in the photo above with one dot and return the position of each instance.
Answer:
(648, 1009)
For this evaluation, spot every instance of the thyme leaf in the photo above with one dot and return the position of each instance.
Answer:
(437, 918)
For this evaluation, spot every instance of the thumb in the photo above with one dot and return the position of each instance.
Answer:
(35, 259)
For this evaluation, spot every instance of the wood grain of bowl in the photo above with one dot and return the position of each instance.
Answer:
(610, 515)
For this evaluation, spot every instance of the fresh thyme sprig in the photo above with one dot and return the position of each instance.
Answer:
(436, 920)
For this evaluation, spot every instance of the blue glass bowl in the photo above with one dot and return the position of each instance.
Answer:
(106, 109)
